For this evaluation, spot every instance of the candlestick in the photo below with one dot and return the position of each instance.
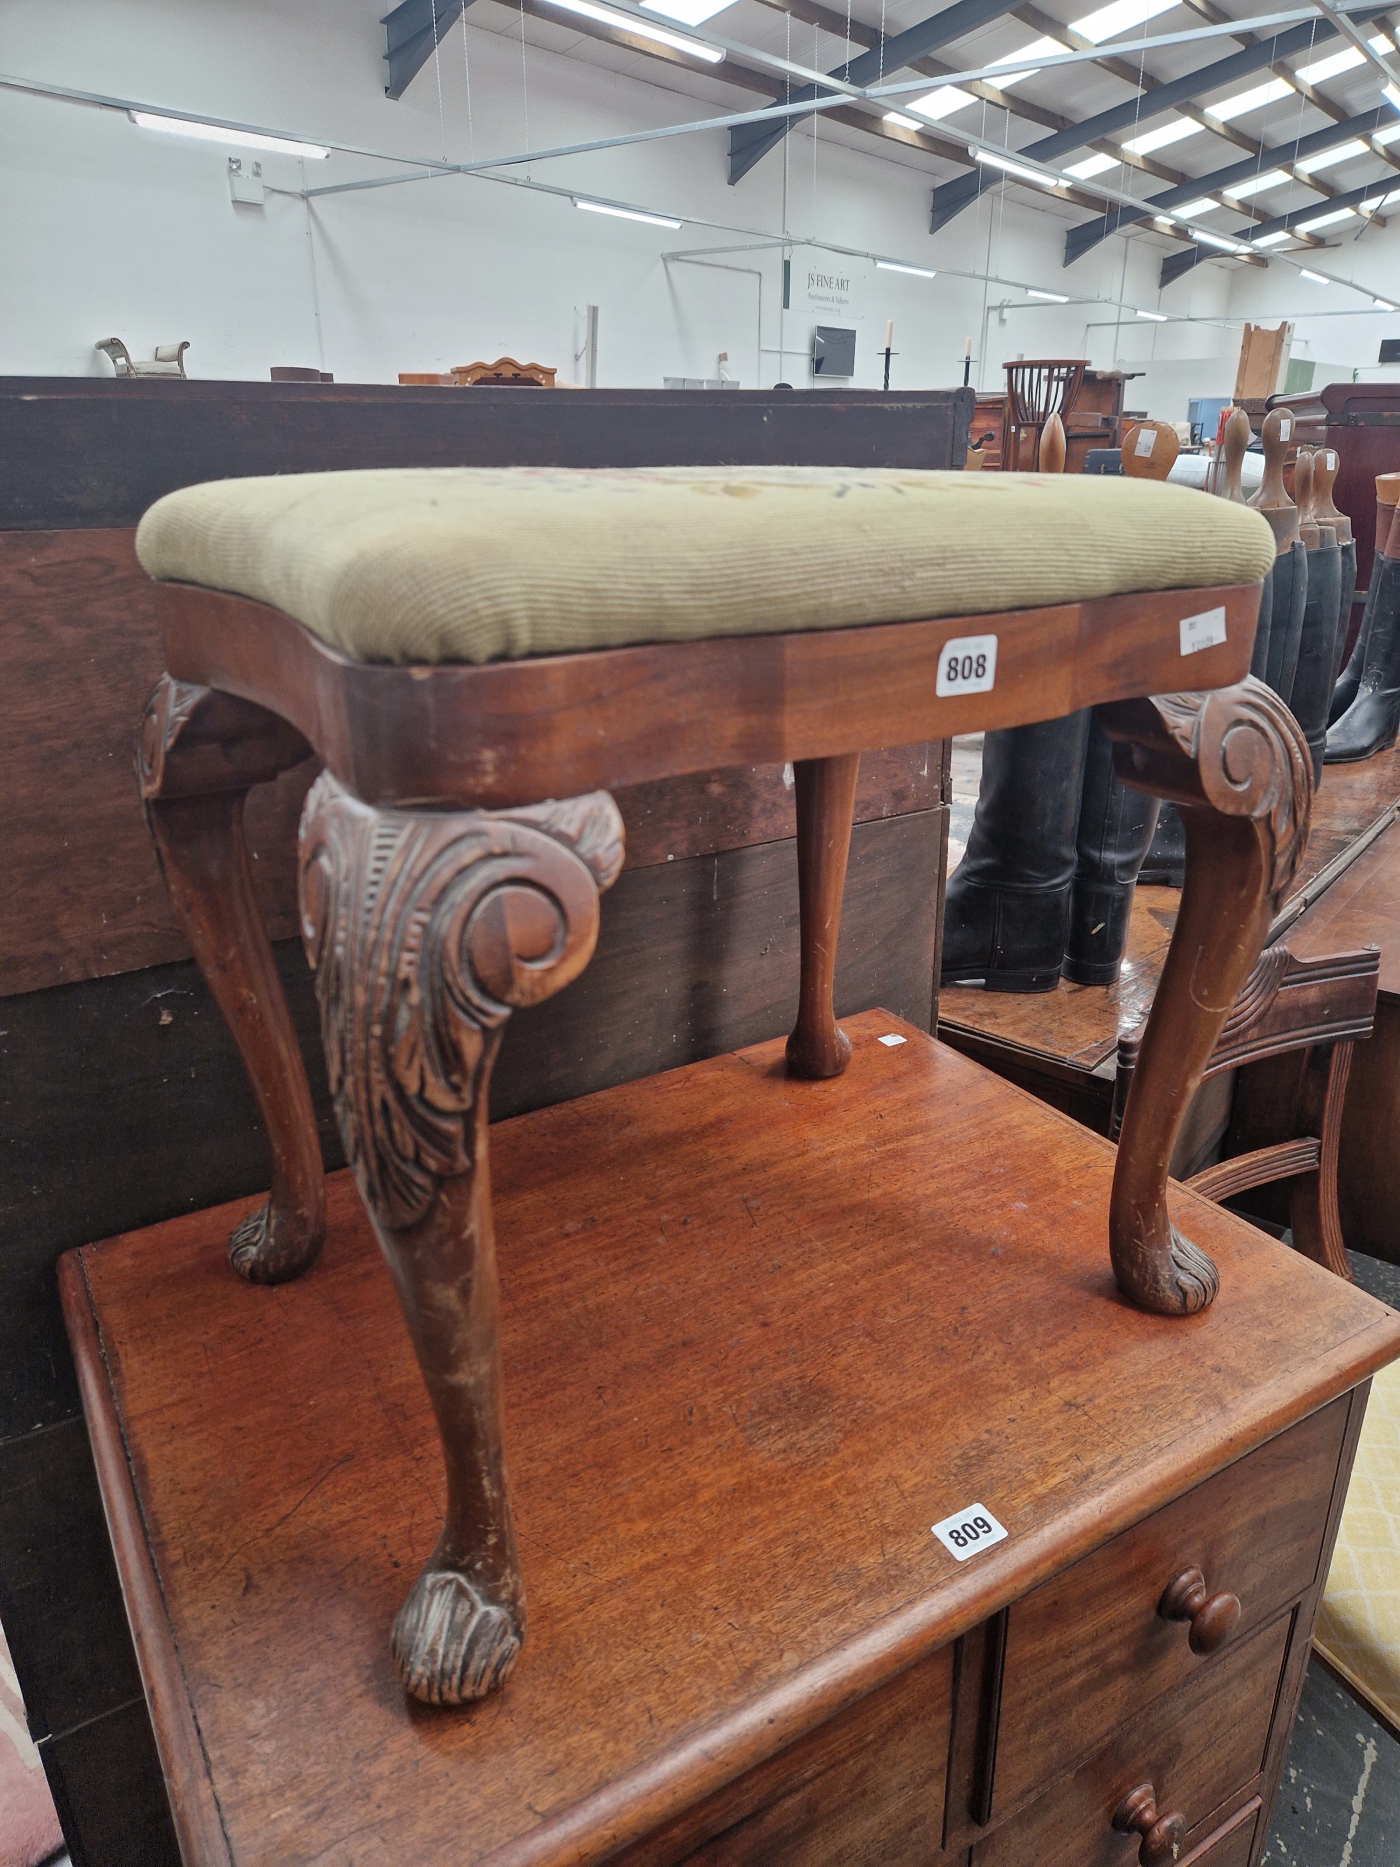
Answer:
(889, 332)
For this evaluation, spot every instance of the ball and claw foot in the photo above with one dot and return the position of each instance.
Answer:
(1187, 1282)
(261, 1252)
(452, 1644)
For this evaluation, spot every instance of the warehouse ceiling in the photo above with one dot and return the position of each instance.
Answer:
(1239, 144)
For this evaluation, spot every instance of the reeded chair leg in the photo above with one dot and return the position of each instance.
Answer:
(198, 754)
(426, 928)
(826, 798)
(1238, 766)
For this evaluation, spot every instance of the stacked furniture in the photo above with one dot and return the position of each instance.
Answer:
(123, 1098)
(747, 1303)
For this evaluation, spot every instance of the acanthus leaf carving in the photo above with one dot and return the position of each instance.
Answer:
(426, 929)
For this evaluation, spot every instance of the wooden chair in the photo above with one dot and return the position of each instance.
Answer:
(1036, 390)
(1295, 1022)
(474, 697)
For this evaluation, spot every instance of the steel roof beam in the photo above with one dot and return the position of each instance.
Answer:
(950, 199)
(1080, 240)
(413, 33)
(752, 142)
(1177, 263)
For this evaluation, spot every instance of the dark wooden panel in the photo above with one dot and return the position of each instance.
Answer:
(107, 1788)
(744, 1324)
(122, 1100)
(59, 1597)
(80, 451)
(81, 650)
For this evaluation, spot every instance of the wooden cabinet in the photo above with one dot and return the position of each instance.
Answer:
(750, 1360)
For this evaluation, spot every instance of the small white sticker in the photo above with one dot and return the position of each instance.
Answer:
(1204, 631)
(968, 1532)
(967, 665)
(1146, 441)
(1285, 428)
(1330, 461)
(891, 1038)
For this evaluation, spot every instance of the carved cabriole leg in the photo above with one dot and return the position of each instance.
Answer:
(826, 796)
(1237, 765)
(426, 928)
(198, 753)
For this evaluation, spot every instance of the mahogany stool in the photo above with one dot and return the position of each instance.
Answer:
(478, 655)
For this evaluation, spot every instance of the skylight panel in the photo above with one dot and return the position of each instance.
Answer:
(1095, 165)
(688, 12)
(939, 104)
(1174, 132)
(1232, 107)
(1256, 185)
(1270, 239)
(1192, 208)
(1323, 220)
(1376, 201)
(1390, 134)
(1342, 153)
(1121, 16)
(1038, 48)
(1339, 62)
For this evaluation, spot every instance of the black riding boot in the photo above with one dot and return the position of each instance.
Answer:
(1317, 653)
(1259, 660)
(1115, 828)
(1369, 724)
(1344, 692)
(1290, 596)
(1006, 918)
(1164, 865)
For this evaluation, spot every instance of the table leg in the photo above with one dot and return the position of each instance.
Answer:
(426, 928)
(198, 753)
(1236, 764)
(826, 798)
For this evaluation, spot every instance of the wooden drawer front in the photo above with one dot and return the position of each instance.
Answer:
(867, 1786)
(1230, 1845)
(1197, 1748)
(1089, 1648)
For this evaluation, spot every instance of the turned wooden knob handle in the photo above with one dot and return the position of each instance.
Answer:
(1213, 1618)
(1163, 1836)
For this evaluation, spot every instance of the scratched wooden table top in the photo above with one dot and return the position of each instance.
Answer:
(759, 1336)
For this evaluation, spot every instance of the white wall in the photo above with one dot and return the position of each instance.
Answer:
(109, 230)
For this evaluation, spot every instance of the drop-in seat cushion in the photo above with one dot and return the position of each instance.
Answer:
(483, 564)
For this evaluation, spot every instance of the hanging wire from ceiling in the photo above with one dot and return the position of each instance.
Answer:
(467, 70)
(437, 73)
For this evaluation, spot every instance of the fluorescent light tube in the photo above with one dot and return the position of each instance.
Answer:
(1214, 239)
(627, 213)
(1382, 304)
(1323, 220)
(240, 139)
(1054, 298)
(915, 272)
(1013, 168)
(625, 22)
(1153, 317)
(1315, 277)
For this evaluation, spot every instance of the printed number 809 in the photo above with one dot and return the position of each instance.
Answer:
(964, 1535)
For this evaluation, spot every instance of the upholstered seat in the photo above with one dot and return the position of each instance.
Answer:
(475, 565)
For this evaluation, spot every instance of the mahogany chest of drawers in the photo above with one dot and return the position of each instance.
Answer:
(760, 1337)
